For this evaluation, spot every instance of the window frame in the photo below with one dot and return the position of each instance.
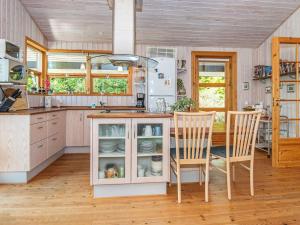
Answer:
(30, 43)
(89, 76)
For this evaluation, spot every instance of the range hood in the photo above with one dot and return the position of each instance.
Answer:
(124, 16)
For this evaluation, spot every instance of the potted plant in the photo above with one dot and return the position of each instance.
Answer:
(184, 104)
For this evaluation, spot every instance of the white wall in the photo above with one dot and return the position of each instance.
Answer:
(263, 54)
(16, 23)
(244, 62)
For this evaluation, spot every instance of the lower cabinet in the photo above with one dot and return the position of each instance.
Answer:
(130, 151)
(47, 137)
(74, 128)
(38, 153)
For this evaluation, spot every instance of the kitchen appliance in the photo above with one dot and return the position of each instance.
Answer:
(12, 72)
(9, 51)
(124, 30)
(140, 100)
(162, 85)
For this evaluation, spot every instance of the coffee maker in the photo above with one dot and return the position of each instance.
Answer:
(140, 100)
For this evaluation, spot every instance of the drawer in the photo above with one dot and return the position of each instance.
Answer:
(38, 153)
(53, 115)
(38, 132)
(54, 144)
(38, 118)
(53, 126)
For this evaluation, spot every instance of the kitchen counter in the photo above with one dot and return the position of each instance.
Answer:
(130, 115)
(40, 110)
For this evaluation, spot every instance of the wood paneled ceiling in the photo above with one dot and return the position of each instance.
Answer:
(226, 23)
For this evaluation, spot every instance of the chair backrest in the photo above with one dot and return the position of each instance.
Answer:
(195, 128)
(245, 126)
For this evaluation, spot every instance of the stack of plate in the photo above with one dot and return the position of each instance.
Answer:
(121, 148)
(107, 146)
(146, 146)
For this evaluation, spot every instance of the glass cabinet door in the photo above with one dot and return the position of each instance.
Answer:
(111, 148)
(150, 150)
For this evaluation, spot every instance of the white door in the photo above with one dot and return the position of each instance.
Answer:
(111, 151)
(150, 150)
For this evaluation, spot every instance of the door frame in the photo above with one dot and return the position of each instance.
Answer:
(283, 149)
(232, 84)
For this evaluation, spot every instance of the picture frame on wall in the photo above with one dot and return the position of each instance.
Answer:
(245, 86)
(268, 90)
(290, 88)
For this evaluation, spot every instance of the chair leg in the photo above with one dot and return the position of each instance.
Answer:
(178, 185)
(206, 181)
(228, 179)
(233, 172)
(251, 178)
(200, 175)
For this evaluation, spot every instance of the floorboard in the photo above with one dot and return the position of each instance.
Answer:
(62, 195)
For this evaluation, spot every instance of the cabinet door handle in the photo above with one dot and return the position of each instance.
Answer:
(54, 123)
(128, 134)
(40, 146)
(40, 128)
(39, 118)
(81, 117)
(54, 139)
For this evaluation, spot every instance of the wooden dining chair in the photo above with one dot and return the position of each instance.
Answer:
(242, 147)
(196, 131)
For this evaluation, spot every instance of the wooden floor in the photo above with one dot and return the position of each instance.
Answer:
(62, 195)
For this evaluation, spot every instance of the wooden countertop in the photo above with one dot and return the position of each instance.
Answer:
(129, 115)
(33, 111)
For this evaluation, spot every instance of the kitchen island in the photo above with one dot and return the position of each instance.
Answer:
(129, 153)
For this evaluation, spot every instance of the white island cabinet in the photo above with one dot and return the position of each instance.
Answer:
(130, 156)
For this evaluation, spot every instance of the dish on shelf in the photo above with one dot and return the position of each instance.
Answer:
(107, 146)
(121, 148)
(146, 146)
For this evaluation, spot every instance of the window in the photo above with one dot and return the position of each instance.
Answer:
(67, 72)
(83, 73)
(212, 89)
(35, 55)
(107, 79)
(214, 86)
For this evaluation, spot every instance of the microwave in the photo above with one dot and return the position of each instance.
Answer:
(9, 50)
(12, 72)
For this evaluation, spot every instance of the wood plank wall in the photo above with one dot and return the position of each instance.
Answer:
(16, 23)
(244, 72)
(262, 56)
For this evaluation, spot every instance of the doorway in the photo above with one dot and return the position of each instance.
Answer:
(286, 102)
(214, 84)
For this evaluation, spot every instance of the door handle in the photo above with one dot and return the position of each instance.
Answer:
(276, 101)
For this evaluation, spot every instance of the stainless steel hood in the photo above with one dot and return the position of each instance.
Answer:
(124, 17)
